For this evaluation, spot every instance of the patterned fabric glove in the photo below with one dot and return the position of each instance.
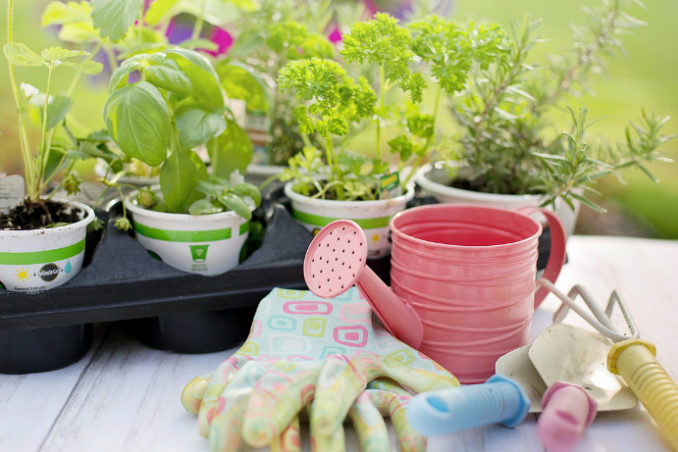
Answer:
(305, 353)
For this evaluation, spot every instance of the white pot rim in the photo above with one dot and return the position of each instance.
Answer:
(329, 203)
(134, 208)
(87, 218)
(434, 187)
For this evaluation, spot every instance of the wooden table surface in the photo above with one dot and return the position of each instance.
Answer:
(123, 396)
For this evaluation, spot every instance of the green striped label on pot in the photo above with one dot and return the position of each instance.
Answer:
(41, 257)
(319, 220)
(169, 235)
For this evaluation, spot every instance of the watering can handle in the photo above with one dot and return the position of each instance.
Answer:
(557, 254)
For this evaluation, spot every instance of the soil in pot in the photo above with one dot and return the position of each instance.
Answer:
(39, 214)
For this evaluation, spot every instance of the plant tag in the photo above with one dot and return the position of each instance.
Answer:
(389, 183)
(11, 191)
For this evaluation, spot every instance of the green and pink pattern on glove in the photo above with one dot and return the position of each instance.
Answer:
(326, 356)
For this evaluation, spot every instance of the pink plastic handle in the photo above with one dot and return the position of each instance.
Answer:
(568, 410)
(557, 254)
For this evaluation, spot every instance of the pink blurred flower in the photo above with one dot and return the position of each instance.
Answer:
(222, 39)
(335, 35)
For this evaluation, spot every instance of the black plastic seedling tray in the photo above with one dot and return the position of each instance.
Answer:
(182, 312)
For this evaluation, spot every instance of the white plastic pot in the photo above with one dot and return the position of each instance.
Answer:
(203, 244)
(40, 259)
(372, 216)
(435, 180)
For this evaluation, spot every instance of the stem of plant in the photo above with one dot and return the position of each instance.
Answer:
(382, 91)
(197, 28)
(23, 136)
(44, 151)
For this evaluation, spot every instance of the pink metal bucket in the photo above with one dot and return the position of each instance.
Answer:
(469, 273)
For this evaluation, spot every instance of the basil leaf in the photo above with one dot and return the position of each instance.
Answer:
(178, 178)
(246, 189)
(204, 80)
(240, 82)
(196, 126)
(169, 78)
(204, 207)
(232, 150)
(138, 120)
(237, 205)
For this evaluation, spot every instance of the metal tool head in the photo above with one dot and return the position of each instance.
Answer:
(517, 365)
(565, 353)
(601, 320)
(335, 258)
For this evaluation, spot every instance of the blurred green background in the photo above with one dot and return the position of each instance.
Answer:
(644, 78)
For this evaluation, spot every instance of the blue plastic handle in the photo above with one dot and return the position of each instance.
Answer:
(499, 400)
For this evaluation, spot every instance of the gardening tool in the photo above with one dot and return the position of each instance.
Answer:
(498, 400)
(463, 280)
(630, 357)
(565, 377)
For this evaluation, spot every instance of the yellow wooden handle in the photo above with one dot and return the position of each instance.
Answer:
(634, 360)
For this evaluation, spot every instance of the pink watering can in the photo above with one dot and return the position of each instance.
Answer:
(463, 279)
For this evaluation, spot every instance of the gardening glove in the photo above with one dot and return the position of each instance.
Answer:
(304, 352)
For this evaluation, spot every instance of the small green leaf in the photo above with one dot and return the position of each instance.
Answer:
(236, 204)
(202, 44)
(19, 54)
(138, 120)
(240, 82)
(54, 54)
(230, 151)
(204, 207)
(57, 109)
(158, 10)
(114, 17)
(196, 126)
(178, 178)
(86, 67)
(246, 189)
(248, 42)
(59, 13)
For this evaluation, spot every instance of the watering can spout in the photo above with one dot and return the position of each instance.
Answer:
(399, 318)
(336, 259)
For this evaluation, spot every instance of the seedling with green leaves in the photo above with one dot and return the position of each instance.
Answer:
(53, 157)
(506, 143)
(177, 106)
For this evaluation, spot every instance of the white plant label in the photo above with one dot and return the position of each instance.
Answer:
(11, 191)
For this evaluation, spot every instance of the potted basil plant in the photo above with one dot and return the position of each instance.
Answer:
(371, 189)
(42, 239)
(194, 221)
(507, 155)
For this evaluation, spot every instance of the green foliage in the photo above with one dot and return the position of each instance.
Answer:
(240, 81)
(227, 194)
(384, 43)
(49, 110)
(266, 38)
(177, 106)
(504, 113)
(230, 151)
(138, 120)
(113, 17)
(431, 49)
